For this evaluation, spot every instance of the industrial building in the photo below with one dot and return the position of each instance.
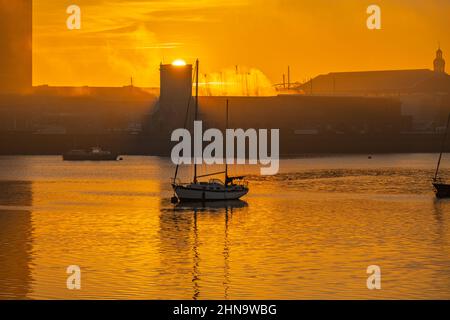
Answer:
(423, 93)
(382, 83)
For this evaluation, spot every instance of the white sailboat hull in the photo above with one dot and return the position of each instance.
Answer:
(191, 194)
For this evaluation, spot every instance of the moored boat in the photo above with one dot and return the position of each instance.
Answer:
(94, 154)
(442, 190)
(213, 190)
(233, 188)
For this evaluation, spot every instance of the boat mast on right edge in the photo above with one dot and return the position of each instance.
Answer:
(441, 188)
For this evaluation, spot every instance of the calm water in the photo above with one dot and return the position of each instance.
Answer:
(307, 233)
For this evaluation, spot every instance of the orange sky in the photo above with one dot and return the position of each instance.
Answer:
(124, 38)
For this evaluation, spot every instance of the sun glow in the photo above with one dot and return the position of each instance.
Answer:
(179, 63)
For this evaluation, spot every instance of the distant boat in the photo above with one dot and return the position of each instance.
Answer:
(94, 154)
(441, 188)
(233, 188)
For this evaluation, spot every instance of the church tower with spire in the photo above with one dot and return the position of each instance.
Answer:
(439, 62)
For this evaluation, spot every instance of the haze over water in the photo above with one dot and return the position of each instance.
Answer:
(310, 232)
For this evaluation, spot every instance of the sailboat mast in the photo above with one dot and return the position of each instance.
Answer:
(196, 112)
(442, 149)
(226, 160)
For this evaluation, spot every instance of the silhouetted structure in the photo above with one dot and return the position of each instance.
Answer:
(306, 115)
(175, 93)
(59, 110)
(439, 62)
(124, 120)
(424, 94)
(381, 83)
(15, 46)
(377, 83)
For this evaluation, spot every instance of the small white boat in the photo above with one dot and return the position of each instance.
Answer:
(233, 188)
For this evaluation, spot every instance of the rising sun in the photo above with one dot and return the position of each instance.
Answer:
(179, 63)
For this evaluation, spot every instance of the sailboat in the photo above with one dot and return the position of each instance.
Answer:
(233, 188)
(441, 188)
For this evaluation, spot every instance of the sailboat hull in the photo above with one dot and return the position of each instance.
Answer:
(193, 194)
(442, 190)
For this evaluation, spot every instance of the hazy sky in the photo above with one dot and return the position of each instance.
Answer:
(124, 38)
